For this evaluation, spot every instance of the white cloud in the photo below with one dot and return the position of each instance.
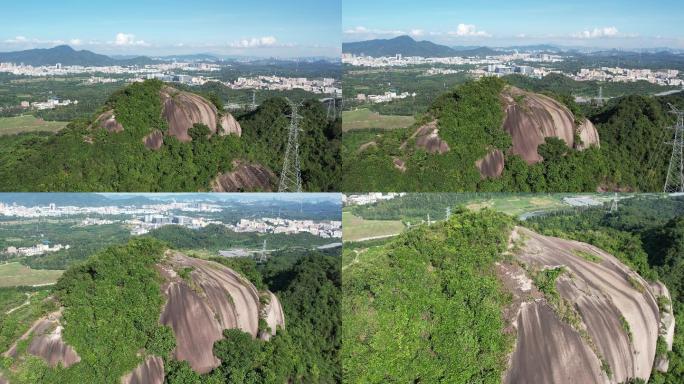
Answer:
(17, 39)
(128, 39)
(468, 30)
(376, 32)
(255, 42)
(597, 33)
(417, 32)
(75, 42)
(25, 41)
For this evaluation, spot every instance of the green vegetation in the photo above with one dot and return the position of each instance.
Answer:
(587, 256)
(307, 350)
(27, 123)
(84, 241)
(414, 207)
(377, 81)
(426, 306)
(358, 229)
(628, 330)
(632, 155)
(562, 85)
(19, 307)
(85, 158)
(119, 285)
(366, 119)
(217, 237)
(545, 281)
(15, 274)
(470, 120)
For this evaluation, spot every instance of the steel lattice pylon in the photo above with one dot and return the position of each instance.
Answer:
(674, 182)
(290, 176)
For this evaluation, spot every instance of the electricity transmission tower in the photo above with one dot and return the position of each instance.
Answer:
(428, 220)
(614, 204)
(599, 99)
(253, 106)
(332, 107)
(675, 171)
(448, 213)
(262, 254)
(291, 176)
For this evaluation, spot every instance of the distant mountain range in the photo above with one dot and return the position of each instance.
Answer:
(65, 55)
(403, 45)
(407, 46)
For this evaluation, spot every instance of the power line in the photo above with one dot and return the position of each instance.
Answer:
(291, 176)
(674, 182)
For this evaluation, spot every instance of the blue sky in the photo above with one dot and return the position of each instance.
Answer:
(595, 23)
(155, 27)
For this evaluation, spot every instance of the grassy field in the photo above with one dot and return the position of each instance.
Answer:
(357, 229)
(364, 119)
(15, 274)
(516, 205)
(28, 123)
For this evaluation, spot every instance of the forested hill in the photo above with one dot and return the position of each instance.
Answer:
(151, 137)
(275, 322)
(403, 45)
(65, 55)
(475, 137)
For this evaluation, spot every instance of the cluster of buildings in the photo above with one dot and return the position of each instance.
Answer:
(51, 103)
(384, 98)
(278, 83)
(442, 71)
(500, 70)
(369, 198)
(89, 222)
(53, 210)
(60, 70)
(402, 61)
(145, 224)
(35, 250)
(666, 77)
(324, 229)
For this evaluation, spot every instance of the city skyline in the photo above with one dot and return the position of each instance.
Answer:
(592, 24)
(155, 28)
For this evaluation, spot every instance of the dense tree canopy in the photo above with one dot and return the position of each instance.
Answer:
(85, 158)
(426, 307)
(632, 131)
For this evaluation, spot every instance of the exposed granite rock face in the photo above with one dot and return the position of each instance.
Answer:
(274, 316)
(491, 165)
(212, 299)
(154, 140)
(427, 138)
(531, 118)
(588, 135)
(230, 126)
(150, 371)
(617, 320)
(107, 121)
(182, 110)
(46, 342)
(399, 164)
(245, 177)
